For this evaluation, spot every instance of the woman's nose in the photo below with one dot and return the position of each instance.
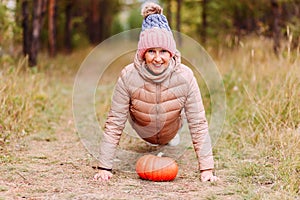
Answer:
(157, 57)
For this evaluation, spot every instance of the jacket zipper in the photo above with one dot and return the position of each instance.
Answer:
(157, 111)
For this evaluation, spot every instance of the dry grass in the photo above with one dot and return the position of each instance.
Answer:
(262, 135)
(32, 100)
(24, 100)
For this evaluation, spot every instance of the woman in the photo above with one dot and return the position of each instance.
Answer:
(152, 93)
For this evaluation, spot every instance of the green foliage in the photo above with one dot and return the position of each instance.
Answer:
(135, 19)
(9, 31)
(228, 21)
(191, 19)
(293, 30)
(117, 26)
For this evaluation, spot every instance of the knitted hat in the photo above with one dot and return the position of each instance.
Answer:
(155, 31)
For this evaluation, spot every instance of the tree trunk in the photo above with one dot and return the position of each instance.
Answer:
(276, 28)
(204, 21)
(101, 23)
(178, 20)
(169, 12)
(68, 27)
(26, 28)
(52, 27)
(94, 33)
(37, 19)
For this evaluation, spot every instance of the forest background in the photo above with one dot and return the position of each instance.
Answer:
(255, 44)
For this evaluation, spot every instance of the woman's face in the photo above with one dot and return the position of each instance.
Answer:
(157, 60)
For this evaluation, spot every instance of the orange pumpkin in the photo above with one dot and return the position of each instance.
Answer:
(156, 168)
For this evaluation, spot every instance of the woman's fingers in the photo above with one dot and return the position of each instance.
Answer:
(102, 175)
(208, 176)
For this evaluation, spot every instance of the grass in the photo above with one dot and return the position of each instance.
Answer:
(258, 151)
(33, 100)
(25, 98)
(262, 134)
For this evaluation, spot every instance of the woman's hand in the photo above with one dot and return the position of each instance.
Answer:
(102, 175)
(207, 175)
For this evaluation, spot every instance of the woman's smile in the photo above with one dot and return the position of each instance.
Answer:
(157, 60)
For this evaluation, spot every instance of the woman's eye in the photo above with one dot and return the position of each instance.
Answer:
(150, 51)
(164, 51)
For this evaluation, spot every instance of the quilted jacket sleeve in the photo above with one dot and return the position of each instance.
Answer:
(198, 126)
(114, 124)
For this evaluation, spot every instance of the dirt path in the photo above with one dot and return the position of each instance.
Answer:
(59, 167)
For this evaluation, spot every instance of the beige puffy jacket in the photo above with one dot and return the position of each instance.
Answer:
(153, 106)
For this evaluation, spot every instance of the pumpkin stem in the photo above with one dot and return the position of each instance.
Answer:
(160, 154)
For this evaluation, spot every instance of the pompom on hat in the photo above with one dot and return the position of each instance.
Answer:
(155, 30)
